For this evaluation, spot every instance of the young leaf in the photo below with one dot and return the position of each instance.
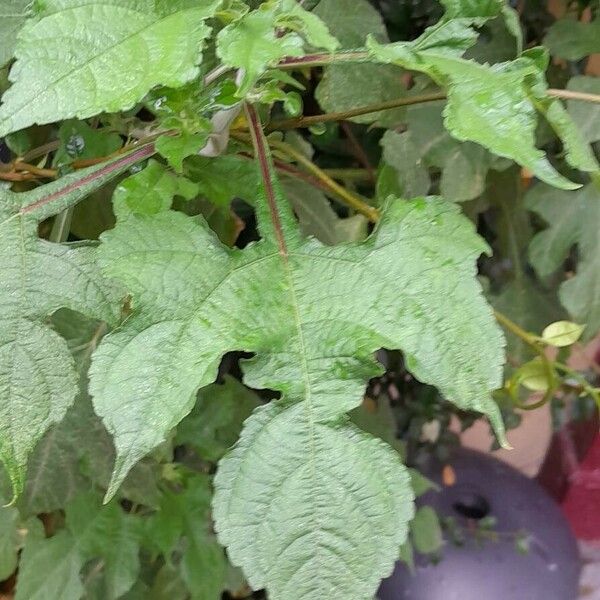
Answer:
(37, 379)
(101, 56)
(425, 531)
(562, 333)
(13, 14)
(573, 218)
(314, 316)
(252, 43)
(175, 149)
(150, 191)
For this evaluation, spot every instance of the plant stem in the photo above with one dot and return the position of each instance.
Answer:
(519, 332)
(320, 180)
(344, 115)
(348, 174)
(261, 150)
(323, 58)
(61, 226)
(348, 198)
(571, 95)
(358, 151)
(355, 112)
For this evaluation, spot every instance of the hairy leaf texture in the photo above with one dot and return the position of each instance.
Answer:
(77, 58)
(252, 43)
(496, 105)
(13, 14)
(307, 503)
(38, 381)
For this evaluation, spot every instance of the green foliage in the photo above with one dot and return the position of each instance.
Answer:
(252, 43)
(572, 39)
(36, 369)
(343, 87)
(572, 219)
(213, 309)
(13, 14)
(89, 60)
(492, 105)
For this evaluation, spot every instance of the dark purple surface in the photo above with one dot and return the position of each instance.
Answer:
(493, 570)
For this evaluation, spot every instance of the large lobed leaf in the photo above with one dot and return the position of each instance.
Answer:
(308, 504)
(77, 58)
(37, 376)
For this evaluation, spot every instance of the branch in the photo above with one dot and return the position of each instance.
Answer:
(350, 199)
(261, 150)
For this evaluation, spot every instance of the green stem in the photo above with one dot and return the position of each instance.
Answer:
(355, 112)
(350, 199)
(61, 226)
(348, 174)
(590, 390)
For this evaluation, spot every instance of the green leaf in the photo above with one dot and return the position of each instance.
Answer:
(585, 115)
(473, 11)
(317, 217)
(79, 141)
(108, 533)
(401, 153)
(494, 106)
(577, 151)
(533, 375)
(251, 44)
(344, 87)
(150, 191)
(187, 514)
(573, 219)
(562, 333)
(88, 57)
(308, 23)
(13, 14)
(216, 420)
(573, 40)
(175, 149)
(350, 21)
(9, 540)
(411, 286)
(49, 568)
(425, 531)
(37, 379)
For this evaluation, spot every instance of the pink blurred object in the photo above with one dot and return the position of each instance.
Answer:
(582, 499)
